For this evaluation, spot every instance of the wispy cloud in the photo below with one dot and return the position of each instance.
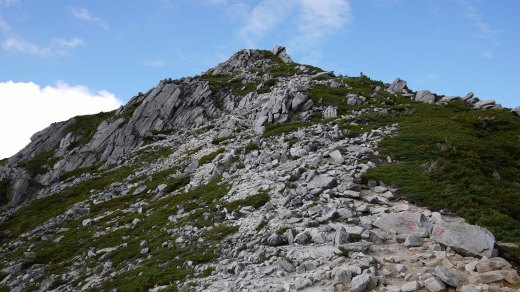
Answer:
(484, 30)
(473, 14)
(308, 20)
(84, 15)
(4, 26)
(155, 63)
(428, 79)
(216, 2)
(320, 18)
(56, 47)
(263, 18)
(487, 54)
(9, 2)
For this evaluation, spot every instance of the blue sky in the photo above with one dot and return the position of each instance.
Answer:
(110, 50)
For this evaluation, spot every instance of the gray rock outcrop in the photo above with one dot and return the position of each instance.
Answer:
(280, 52)
(424, 96)
(397, 86)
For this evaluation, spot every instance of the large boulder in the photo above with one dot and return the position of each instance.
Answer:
(323, 181)
(484, 104)
(425, 96)
(451, 277)
(397, 86)
(404, 223)
(466, 239)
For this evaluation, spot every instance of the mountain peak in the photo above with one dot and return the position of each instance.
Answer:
(247, 59)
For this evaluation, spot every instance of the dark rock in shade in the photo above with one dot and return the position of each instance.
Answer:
(276, 240)
(516, 111)
(451, 277)
(414, 240)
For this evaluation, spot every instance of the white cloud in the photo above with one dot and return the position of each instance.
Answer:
(4, 26)
(487, 54)
(312, 19)
(10, 2)
(26, 108)
(155, 63)
(428, 79)
(263, 18)
(56, 47)
(84, 14)
(217, 2)
(319, 18)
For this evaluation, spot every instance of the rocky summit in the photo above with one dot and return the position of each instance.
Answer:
(263, 174)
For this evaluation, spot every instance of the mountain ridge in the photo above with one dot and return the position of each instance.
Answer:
(265, 153)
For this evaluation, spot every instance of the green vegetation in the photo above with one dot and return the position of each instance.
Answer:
(204, 129)
(261, 225)
(129, 109)
(256, 201)
(452, 157)
(209, 158)
(41, 162)
(85, 127)
(164, 177)
(163, 266)
(278, 129)
(150, 154)
(227, 83)
(80, 171)
(5, 192)
(252, 147)
(328, 96)
(41, 210)
(217, 140)
(279, 68)
(168, 265)
(4, 161)
(164, 132)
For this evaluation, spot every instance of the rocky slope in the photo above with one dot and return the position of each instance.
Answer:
(250, 177)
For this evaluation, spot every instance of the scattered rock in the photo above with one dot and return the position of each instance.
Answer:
(414, 240)
(359, 283)
(433, 284)
(341, 237)
(451, 277)
(336, 157)
(276, 240)
(410, 286)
